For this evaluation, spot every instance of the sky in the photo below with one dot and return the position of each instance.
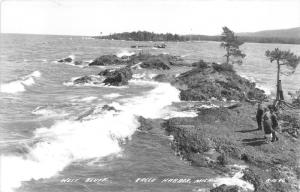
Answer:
(92, 17)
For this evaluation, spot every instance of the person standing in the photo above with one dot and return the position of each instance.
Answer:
(267, 124)
(275, 124)
(259, 115)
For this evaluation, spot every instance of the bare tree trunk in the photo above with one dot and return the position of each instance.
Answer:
(277, 91)
(227, 56)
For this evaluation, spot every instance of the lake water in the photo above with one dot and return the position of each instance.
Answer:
(51, 130)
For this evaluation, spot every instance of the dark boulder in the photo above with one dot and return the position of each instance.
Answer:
(164, 78)
(106, 72)
(107, 60)
(65, 60)
(78, 63)
(200, 64)
(108, 108)
(155, 63)
(160, 45)
(117, 77)
(226, 188)
(83, 80)
(145, 124)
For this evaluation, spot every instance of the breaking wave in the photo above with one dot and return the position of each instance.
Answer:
(125, 53)
(69, 140)
(236, 179)
(20, 85)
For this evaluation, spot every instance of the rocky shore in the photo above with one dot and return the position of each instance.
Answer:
(223, 134)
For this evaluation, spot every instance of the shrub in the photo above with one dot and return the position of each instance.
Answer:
(223, 67)
(200, 64)
(222, 159)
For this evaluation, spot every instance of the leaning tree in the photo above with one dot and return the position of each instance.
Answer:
(231, 44)
(282, 58)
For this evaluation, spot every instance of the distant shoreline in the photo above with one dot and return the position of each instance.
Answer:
(185, 38)
(260, 40)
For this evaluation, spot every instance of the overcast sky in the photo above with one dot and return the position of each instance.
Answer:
(90, 17)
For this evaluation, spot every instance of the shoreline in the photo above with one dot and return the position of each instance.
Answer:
(218, 137)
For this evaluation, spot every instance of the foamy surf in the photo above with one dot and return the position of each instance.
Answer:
(48, 112)
(68, 141)
(125, 53)
(20, 85)
(84, 99)
(236, 179)
(112, 95)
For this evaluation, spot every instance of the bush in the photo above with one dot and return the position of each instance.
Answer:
(200, 64)
(222, 159)
(223, 67)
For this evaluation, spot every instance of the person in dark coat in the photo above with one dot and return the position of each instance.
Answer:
(267, 124)
(275, 124)
(259, 115)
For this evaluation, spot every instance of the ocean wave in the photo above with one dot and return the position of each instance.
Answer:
(112, 95)
(146, 76)
(46, 111)
(70, 60)
(96, 81)
(20, 85)
(68, 141)
(236, 179)
(268, 90)
(125, 53)
(85, 99)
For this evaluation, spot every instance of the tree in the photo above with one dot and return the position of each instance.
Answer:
(231, 44)
(282, 58)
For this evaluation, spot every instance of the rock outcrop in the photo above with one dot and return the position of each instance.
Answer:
(107, 60)
(226, 188)
(148, 61)
(83, 80)
(211, 80)
(117, 77)
(65, 60)
(221, 136)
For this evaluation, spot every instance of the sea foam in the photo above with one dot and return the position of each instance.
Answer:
(68, 141)
(125, 53)
(236, 179)
(20, 85)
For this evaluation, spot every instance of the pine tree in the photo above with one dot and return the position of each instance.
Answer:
(282, 58)
(231, 44)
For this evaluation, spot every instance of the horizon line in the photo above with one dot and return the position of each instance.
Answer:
(137, 31)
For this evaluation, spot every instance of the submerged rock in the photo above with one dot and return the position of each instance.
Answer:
(155, 63)
(117, 77)
(87, 79)
(83, 80)
(78, 63)
(65, 60)
(109, 108)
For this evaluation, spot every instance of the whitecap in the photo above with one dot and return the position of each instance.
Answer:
(19, 85)
(125, 53)
(89, 99)
(49, 111)
(236, 179)
(68, 141)
(112, 95)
